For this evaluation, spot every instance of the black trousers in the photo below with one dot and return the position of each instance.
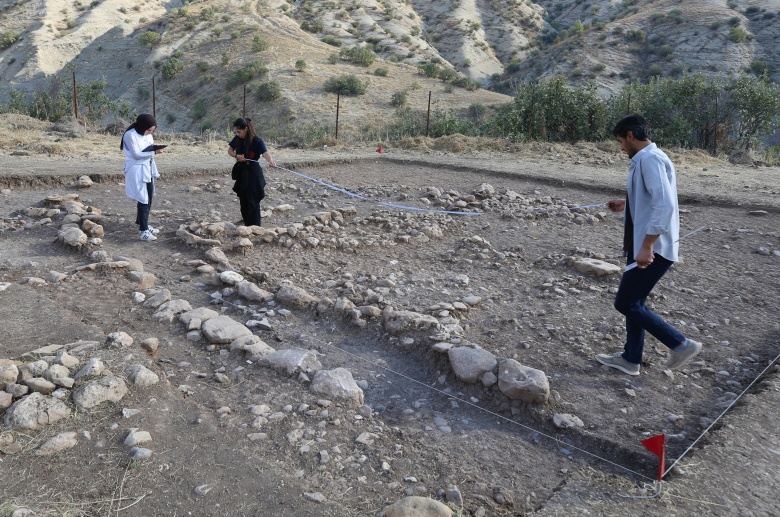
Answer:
(250, 209)
(142, 213)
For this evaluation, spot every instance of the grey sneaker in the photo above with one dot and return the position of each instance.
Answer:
(683, 354)
(616, 361)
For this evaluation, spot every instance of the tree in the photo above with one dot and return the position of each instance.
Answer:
(150, 38)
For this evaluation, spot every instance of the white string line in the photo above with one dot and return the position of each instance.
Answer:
(721, 415)
(405, 207)
(455, 397)
(448, 395)
(488, 411)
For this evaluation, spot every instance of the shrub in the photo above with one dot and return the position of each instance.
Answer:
(358, 55)
(381, 72)
(202, 66)
(300, 65)
(150, 38)
(759, 67)
(259, 44)
(172, 67)
(268, 91)
(8, 38)
(247, 73)
(429, 70)
(199, 109)
(737, 35)
(345, 85)
(398, 99)
(333, 59)
(332, 41)
(314, 25)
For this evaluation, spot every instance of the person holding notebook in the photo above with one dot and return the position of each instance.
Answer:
(140, 170)
(247, 148)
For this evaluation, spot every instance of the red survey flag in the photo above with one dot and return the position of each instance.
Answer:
(657, 445)
(379, 150)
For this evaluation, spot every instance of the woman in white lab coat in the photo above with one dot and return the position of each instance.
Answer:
(140, 170)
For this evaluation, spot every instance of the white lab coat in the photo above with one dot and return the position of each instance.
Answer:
(139, 166)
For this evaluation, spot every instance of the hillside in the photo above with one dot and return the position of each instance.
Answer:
(218, 46)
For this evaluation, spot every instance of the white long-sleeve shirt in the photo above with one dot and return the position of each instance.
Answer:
(140, 168)
(652, 196)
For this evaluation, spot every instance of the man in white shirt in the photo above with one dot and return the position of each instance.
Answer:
(650, 241)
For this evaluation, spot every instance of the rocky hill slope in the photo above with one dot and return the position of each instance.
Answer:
(202, 53)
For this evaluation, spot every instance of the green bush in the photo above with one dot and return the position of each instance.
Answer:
(332, 41)
(737, 35)
(259, 44)
(333, 59)
(345, 85)
(398, 99)
(247, 73)
(381, 72)
(199, 109)
(358, 55)
(172, 67)
(8, 38)
(300, 65)
(150, 38)
(429, 70)
(268, 91)
(202, 66)
(759, 67)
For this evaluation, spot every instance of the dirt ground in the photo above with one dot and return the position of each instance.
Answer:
(432, 431)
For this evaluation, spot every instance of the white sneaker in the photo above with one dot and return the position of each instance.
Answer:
(153, 230)
(147, 236)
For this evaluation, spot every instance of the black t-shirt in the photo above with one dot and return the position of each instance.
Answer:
(256, 150)
(628, 234)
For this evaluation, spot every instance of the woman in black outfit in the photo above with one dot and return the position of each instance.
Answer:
(246, 147)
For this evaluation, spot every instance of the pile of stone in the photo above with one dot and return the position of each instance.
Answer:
(45, 386)
(80, 222)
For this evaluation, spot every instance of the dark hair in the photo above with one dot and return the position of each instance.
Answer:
(142, 123)
(634, 123)
(246, 123)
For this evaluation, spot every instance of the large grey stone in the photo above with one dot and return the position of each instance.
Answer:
(252, 346)
(469, 364)
(118, 340)
(34, 411)
(520, 382)
(292, 361)
(158, 299)
(57, 444)
(293, 296)
(141, 376)
(397, 322)
(594, 266)
(98, 391)
(201, 313)
(73, 237)
(415, 506)
(223, 330)
(251, 292)
(337, 384)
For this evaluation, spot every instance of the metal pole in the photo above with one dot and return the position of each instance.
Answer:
(75, 99)
(243, 110)
(715, 136)
(531, 114)
(154, 100)
(428, 117)
(338, 105)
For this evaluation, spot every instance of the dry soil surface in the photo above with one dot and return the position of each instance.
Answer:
(430, 429)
